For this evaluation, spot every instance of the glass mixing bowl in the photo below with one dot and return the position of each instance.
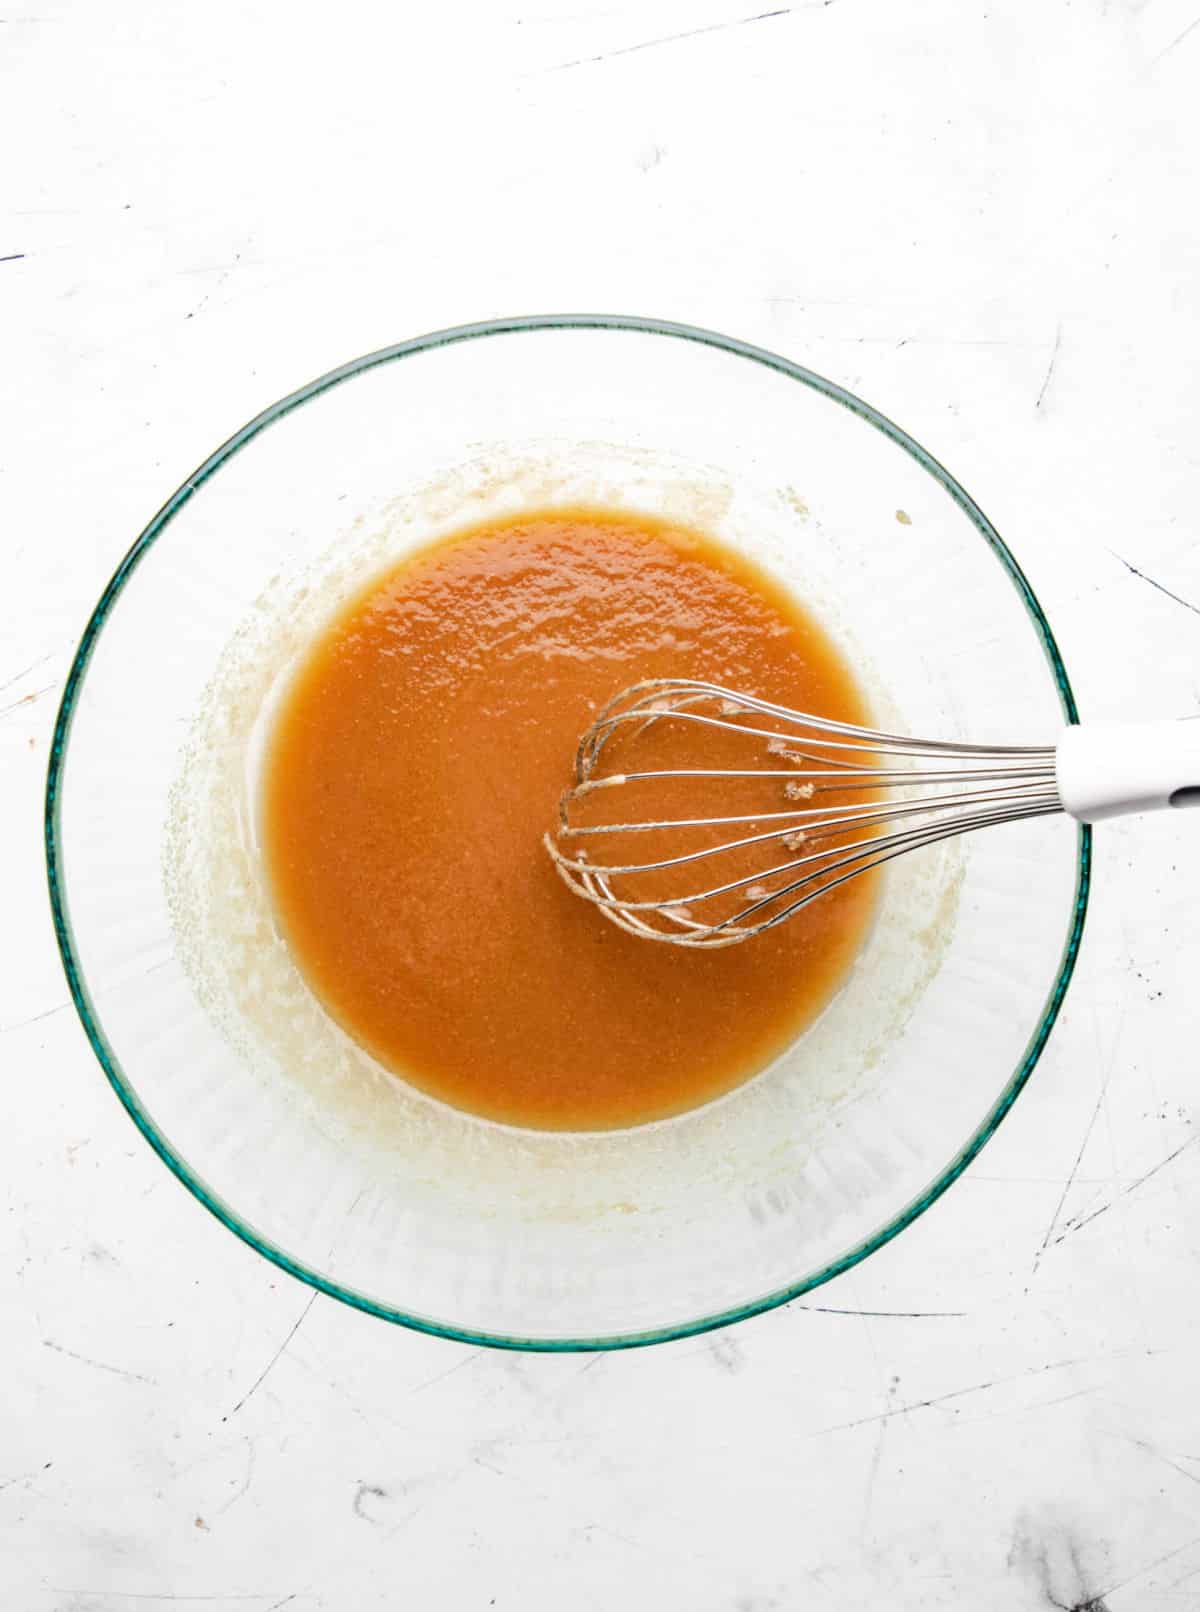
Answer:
(282, 1127)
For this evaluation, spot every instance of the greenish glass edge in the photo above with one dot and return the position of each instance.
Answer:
(56, 875)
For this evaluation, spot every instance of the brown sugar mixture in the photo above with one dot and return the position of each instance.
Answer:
(416, 761)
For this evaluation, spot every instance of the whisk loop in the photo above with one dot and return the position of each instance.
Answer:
(905, 794)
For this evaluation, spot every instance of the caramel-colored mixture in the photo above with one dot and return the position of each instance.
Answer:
(418, 758)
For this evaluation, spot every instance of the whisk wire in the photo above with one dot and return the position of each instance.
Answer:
(988, 785)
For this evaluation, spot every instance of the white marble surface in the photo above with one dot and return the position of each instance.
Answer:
(984, 218)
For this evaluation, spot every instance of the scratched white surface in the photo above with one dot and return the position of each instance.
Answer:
(983, 218)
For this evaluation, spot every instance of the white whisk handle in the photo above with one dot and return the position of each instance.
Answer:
(1105, 769)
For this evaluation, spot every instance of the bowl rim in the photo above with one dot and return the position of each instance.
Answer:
(56, 875)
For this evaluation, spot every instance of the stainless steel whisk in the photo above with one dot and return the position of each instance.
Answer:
(913, 793)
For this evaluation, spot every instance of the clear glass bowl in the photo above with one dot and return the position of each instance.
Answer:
(341, 1174)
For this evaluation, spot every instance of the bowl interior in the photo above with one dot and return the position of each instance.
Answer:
(286, 1129)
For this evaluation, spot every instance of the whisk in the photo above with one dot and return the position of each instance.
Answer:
(752, 870)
